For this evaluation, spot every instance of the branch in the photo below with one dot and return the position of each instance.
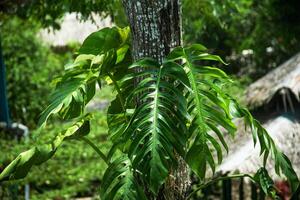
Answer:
(121, 99)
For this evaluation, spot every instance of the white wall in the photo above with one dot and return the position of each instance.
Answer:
(73, 30)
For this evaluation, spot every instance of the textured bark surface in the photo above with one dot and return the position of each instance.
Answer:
(155, 26)
(156, 29)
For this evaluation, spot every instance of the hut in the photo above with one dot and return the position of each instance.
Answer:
(274, 101)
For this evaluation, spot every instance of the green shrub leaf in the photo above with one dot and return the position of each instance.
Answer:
(119, 182)
(264, 180)
(152, 133)
(20, 167)
(208, 107)
(104, 40)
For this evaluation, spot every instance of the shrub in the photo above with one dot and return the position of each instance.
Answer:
(30, 66)
(75, 170)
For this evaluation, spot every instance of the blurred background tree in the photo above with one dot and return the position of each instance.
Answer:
(30, 66)
(29, 61)
(255, 36)
(49, 13)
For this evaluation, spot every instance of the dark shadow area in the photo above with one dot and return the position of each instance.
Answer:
(284, 102)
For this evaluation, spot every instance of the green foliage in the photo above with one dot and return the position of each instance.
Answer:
(75, 170)
(267, 184)
(30, 66)
(119, 182)
(153, 134)
(19, 167)
(274, 36)
(49, 13)
(181, 102)
(77, 86)
(206, 20)
(269, 28)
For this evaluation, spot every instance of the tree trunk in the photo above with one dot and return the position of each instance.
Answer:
(156, 29)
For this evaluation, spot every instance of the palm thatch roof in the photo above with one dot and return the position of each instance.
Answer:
(244, 157)
(286, 76)
(281, 85)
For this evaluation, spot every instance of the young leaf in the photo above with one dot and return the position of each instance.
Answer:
(20, 167)
(263, 179)
(69, 98)
(104, 40)
(119, 182)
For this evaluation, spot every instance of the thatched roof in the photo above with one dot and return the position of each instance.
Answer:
(244, 157)
(283, 127)
(285, 76)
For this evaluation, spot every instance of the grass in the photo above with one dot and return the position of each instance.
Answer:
(74, 171)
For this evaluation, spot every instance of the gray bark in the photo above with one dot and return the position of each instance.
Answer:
(155, 26)
(156, 29)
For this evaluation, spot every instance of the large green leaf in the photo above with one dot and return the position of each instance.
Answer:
(263, 179)
(157, 127)
(104, 53)
(73, 90)
(119, 182)
(20, 167)
(208, 107)
(104, 40)
(211, 108)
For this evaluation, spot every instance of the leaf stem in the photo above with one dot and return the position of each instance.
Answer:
(98, 151)
(120, 96)
(219, 179)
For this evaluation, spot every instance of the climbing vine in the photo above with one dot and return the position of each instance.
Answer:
(182, 111)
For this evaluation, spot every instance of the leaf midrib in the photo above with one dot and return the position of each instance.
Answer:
(197, 97)
(155, 110)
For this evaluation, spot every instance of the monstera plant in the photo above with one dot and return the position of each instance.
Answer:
(161, 112)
